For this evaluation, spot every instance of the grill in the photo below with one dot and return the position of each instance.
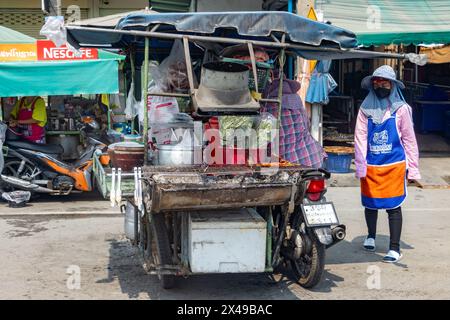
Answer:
(219, 187)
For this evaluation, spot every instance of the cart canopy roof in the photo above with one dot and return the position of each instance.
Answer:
(304, 37)
(245, 24)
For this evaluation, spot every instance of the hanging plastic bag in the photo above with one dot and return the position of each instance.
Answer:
(171, 75)
(54, 30)
(114, 101)
(161, 111)
(133, 107)
(265, 128)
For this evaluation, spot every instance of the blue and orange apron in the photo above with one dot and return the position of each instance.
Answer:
(384, 186)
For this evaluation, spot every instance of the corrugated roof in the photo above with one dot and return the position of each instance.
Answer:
(170, 5)
(109, 21)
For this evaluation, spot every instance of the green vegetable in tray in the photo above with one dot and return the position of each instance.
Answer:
(263, 129)
(229, 124)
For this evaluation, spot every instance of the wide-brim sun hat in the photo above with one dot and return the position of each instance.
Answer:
(385, 72)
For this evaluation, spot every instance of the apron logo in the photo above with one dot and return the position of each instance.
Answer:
(380, 137)
(380, 145)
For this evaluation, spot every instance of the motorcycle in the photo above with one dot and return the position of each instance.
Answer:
(38, 168)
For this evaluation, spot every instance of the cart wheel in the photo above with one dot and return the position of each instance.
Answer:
(163, 255)
(309, 268)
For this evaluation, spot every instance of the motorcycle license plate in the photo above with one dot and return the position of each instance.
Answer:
(320, 214)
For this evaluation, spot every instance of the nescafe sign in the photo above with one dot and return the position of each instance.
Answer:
(47, 50)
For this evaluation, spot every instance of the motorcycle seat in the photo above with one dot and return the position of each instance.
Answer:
(44, 148)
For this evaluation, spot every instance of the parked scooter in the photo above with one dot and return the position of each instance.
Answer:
(38, 167)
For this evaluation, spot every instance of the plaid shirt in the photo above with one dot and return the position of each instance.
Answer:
(296, 143)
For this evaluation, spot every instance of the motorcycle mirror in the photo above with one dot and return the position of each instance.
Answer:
(94, 125)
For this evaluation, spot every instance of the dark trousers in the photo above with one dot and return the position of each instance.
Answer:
(395, 225)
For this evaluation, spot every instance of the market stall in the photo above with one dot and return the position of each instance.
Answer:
(77, 88)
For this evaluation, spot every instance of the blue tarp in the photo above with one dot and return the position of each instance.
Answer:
(239, 25)
(245, 24)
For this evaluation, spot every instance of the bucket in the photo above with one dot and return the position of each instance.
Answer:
(126, 155)
(129, 212)
(339, 159)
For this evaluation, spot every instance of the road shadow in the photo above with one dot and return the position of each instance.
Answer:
(82, 196)
(350, 252)
(328, 281)
(125, 267)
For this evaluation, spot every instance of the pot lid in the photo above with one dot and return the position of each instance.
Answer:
(125, 145)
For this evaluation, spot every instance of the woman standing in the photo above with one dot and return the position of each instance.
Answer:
(386, 154)
(30, 116)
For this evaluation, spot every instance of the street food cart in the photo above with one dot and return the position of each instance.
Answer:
(197, 217)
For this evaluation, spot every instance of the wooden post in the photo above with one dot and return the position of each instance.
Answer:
(282, 60)
(190, 72)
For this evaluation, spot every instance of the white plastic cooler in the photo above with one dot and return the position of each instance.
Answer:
(232, 241)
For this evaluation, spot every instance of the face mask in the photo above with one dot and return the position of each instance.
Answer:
(382, 92)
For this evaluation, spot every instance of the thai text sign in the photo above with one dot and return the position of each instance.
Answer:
(18, 52)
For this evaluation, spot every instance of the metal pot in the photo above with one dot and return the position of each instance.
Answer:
(175, 155)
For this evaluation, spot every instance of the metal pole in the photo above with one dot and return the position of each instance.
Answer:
(145, 96)
(416, 68)
(133, 78)
(54, 8)
(290, 59)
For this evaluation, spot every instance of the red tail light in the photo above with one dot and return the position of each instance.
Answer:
(315, 190)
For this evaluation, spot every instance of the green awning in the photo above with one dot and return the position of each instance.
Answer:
(103, 54)
(11, 36)
(383, 22)
(59, 78)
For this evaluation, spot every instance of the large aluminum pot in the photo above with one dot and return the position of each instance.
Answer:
(175, 155)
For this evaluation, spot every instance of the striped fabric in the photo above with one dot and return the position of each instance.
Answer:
(296, 143)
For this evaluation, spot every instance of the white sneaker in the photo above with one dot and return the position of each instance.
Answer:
(392, 256)
(369, 244)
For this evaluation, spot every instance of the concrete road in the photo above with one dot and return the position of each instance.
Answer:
(40, 255)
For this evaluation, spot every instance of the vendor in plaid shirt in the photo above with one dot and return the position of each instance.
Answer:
(296, 143)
